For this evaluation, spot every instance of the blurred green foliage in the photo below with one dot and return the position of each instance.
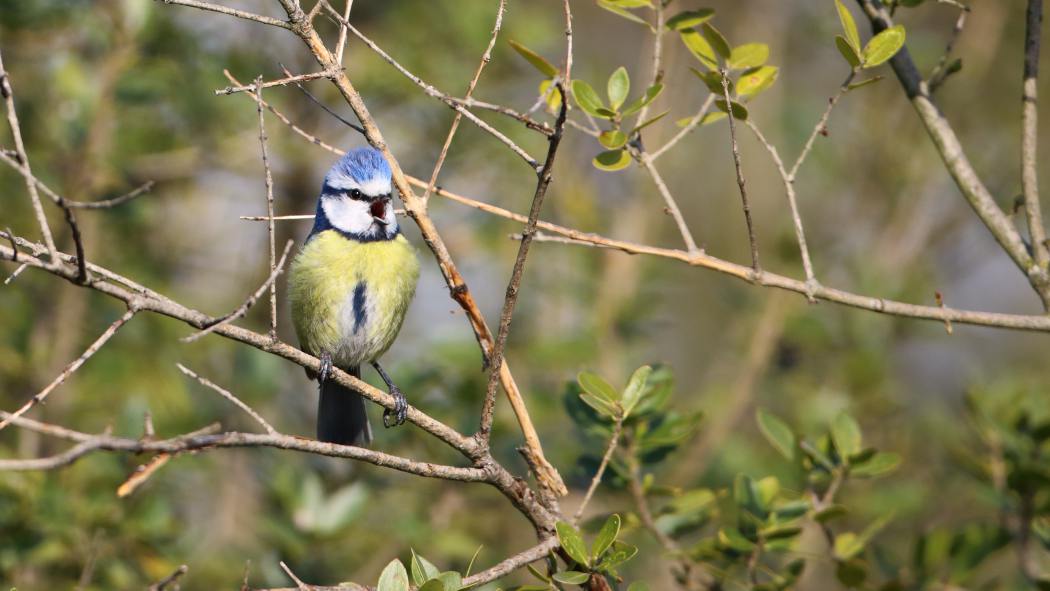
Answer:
(940, 480)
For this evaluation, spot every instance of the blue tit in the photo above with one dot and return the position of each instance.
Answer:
(349, 288)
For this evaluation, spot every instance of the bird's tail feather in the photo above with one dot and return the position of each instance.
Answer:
(341, 414)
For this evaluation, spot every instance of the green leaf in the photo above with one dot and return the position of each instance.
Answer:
(731, 538)
(606, 113)
(699, 47)
(638, 586)
(851, 56)
(452, 580)
(883, 46)
(748, 55)
(756, 80)
(537, 574)
(739, 111)
(620, 553)
(572, 577)
(650, 95)
(847, 545)
(851, 573)
(780, 532)
(606, 536)
(537, 61)
(862, 83)
(595, 385)
(632, 3)
(845, 432)
(649, 122)
(635, 388)
(879, 464)
(586, 97)
(612, 139)
(601, 406)
(766, 490)
(553, 99)
(572, 543)
(616, 9)
(618, 86)
(777, 433)
(612, 160)
(393, 578)
(828, 513)
(713, 82)
(716, 39)
(689, 18)
(849, 26)
(422, 569)
(712, 117)
(433, 585)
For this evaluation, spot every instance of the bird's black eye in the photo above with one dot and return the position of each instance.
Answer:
(356, 194)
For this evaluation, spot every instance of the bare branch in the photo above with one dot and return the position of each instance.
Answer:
(269, 212)
(511, 298)
(72, 367)
(941, 72)
(340, 45)
(282, 82)
(485, 58)
(537, 552)
(170, 579)
(820, 127)
(108, 203)
(739, 170)
(228, 396)
(23, 159)
(646, 161)
(266, 20)
(1030, 134)
(693, 123)
(614, 440)
(248, 303)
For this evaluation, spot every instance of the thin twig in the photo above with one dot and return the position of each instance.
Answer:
(248, 303)
(739, 171)
(266, 20)
(269, 212)
(941, 72)
(789, 188)
(321, 104)
(485, 58)
(821, 126)
(72, 367)
(340, 44)
(513, 286)
(168, 580)
(282, 82)
(228, 396)
(298, 582)
(693, 123)
(646, 161)
(1030, 134)
(108, 203)
(537, 552)
(14, 275)
(655, 73)
(434, 92)
(23, 159)
(614, 439)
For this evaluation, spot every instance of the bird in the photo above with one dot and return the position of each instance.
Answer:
(350, 286)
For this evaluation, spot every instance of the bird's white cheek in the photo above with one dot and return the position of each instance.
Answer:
(348, 215)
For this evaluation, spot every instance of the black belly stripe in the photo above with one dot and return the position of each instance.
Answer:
(359, 305)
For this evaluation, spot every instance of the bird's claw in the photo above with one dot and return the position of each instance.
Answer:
(397, 415)
(326, 367)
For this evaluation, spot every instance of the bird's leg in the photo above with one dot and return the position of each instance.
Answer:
(326, 368)
(400, 411)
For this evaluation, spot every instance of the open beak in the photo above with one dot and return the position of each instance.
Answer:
(378, 211)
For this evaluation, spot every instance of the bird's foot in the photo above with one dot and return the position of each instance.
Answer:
(397, 415)
(326, 367)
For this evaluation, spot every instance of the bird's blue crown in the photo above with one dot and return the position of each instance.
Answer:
(362, 165)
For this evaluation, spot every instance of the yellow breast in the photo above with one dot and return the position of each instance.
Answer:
(349, 298)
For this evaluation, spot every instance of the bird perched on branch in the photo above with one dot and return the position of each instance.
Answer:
(350, 286)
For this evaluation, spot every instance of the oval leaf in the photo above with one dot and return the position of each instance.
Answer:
(433, 585)
(777, 433)
(749, 55)
(700, 48)
(618, 10)
(607, 409)
(716, 39)
(848, 53)
(849, 26)
(650, 95)
(879, 464)
(586, 97)
(883, 46)
(612, 160)
(648, 122)
(572, 543)
(635, 387)
(537, 61)
(393, 578)
(606, 536)
(689, 18)
(756, 80)
(572, 577)
(612, 139)
(845, 432)
(739, 111)
(618, 86)
(553, 97)
(593, 384)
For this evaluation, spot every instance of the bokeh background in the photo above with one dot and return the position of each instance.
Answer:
(114, 93)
